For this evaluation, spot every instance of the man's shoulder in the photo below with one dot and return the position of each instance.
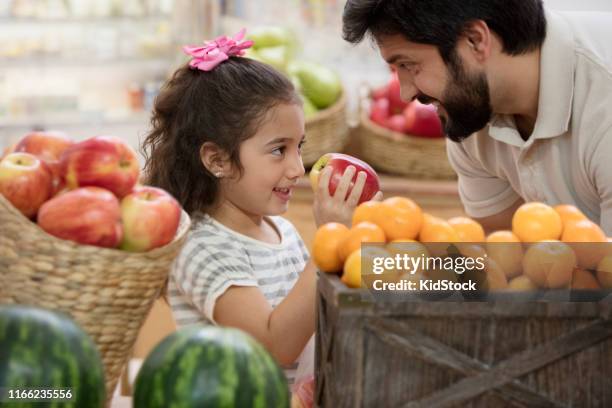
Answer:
(591, 32)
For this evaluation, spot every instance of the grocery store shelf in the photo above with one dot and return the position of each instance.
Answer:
(147, 19)
(111, 62)
(75, 119)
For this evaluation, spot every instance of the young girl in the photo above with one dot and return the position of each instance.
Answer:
(226, 140)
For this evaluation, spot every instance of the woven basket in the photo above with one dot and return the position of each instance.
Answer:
(108, 292)
(397, 153)
(327, 131)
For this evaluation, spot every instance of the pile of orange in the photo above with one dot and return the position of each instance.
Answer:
(548, 247)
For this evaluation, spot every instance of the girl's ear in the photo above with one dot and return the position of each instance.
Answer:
(215, 159)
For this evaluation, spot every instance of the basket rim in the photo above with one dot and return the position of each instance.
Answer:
(331, 110)
(33, 228)
(396, 136)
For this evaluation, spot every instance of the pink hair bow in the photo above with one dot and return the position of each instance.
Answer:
(214, 52)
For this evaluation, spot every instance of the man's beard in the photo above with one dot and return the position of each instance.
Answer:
(466, 100)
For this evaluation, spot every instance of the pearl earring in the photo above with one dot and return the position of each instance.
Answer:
(219, 174)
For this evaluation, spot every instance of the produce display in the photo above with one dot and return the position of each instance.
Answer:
(547, 248)
(319, 86)
(339, 162)
(209, 366)
(46, 351)
(87, 192)
(413, 118)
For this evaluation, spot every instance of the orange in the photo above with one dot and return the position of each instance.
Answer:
(467, 229)
(506, 249)
(502, 236)
(550, 264)
(437, 230)
(376, 265)
(604, 272)
(584, 279)
(409, 248)
(325, 245)
(533, 222)
(400, 218)
(496, 278)
(351, 275)
(568, 213)
(521, 283)
(583, 231)
(366, 211)
(588, 241)
(363, 232)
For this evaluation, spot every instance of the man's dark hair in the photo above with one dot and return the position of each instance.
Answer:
(521, 24)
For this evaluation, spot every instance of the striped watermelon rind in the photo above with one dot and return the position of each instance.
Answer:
(209, 366)
(43, 349)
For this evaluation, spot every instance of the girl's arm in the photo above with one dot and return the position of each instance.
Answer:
(284, 330)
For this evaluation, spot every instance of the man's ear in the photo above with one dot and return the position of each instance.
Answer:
(478, 38)
(215, 160)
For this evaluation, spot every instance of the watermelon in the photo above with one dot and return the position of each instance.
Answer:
(209, 366)
(45, 350)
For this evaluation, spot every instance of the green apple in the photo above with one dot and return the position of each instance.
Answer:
(252, 54)
(296, 83)
(272, 36)
(309, 109)
(319, 84)
(277, 56)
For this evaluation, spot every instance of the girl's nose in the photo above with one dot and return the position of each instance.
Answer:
(296, 167)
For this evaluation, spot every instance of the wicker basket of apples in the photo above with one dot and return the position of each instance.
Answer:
(402, 138)
(80, 235)
(320, 87)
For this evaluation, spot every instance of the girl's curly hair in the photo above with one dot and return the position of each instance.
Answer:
(224, 106)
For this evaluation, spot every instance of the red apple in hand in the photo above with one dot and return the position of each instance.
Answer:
(47, 146)
(25, 181)
(339, 162)
(422, 120)
(150, 219)
(101, 161)
(88, 215)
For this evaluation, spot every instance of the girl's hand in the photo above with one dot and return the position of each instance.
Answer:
(339, 208)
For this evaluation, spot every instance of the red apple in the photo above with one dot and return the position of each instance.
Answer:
(150, 219)
(422, 120)
(25, 181)
(380, 92)
(396, 104)
(89, 215)
(47, 146)
(101, 161)
(379, 112)
(339, 162)
(397, 123)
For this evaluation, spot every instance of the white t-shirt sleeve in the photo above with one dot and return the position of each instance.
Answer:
(205, 272)
(603, 180)
(483, 194)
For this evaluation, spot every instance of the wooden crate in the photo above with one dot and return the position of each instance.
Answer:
(419, 353)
